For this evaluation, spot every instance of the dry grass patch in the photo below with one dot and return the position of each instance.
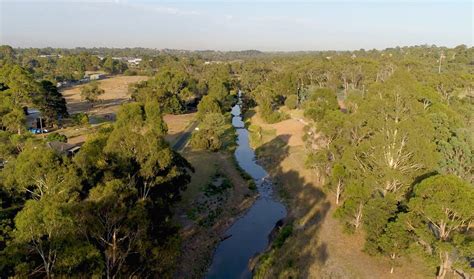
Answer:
(294, 128)
(116, 92)
(177, 124)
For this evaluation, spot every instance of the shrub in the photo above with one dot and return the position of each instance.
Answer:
(291, 102)
(129, 72)
(56, 137)
(80, 119)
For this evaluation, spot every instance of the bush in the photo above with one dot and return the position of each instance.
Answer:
(205, 140)
(291, 102)
(56, 137)
(80, 119)
(283, 235)
(129, 72)
(211, 132)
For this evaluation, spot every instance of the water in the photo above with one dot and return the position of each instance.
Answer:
(249, 234)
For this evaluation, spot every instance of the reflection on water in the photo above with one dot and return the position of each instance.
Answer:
(249, 234)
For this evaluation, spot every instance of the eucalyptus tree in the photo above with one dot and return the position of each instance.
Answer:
(440, 216)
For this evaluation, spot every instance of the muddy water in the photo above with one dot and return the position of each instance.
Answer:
(249, 234)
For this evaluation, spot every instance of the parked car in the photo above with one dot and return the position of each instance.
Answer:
(37, 131)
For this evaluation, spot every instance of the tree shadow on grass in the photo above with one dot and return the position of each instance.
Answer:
(307, 209)
(84, 106)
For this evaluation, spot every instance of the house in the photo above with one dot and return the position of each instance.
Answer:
(63, 148)
(134, 61)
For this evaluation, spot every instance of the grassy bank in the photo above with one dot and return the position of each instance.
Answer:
(217, 195)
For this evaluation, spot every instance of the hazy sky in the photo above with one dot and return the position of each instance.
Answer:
(235, 25)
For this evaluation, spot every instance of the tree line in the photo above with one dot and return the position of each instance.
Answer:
(391, 138)
(107, 211)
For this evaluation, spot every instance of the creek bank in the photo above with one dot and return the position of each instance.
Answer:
(250, 232)
(199, 239)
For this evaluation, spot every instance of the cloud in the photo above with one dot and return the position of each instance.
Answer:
(283, 19)
(174, 11)
(169, 10)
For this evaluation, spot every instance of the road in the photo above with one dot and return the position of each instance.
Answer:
(183, 139)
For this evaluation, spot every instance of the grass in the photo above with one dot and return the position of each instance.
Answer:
(270, 257)
(177, 124)
(285, 232)
(248, 178)
(218, 185)
(205, 167)
(258, 136)
(116, 92)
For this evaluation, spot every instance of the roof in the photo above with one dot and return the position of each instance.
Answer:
(62, 147)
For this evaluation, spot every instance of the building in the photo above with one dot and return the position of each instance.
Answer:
(134, 61)
(63, 148)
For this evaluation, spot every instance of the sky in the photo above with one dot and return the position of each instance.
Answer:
(235, 25)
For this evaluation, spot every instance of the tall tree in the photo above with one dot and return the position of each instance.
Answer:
(91, 92)
(441, 213)
(51, 103)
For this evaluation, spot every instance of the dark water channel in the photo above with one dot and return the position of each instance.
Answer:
(249, 234)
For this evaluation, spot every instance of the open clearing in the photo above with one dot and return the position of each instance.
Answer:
(318, 248)
(116, 92)
(291, 128)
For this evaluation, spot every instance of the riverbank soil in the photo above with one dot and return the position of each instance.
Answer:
(318, 246)
(205, 213)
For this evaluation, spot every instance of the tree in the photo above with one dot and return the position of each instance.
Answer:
(51, 103)
(207, 105)
(394, 242)
(19, 85)
(211, 132)
(14, 121)
(337, 177)
(137, 140)
(38, 171)
(440, 215)
(115, 221)
(91, 92)
(320, 102)
(357, 196)
(114, 66)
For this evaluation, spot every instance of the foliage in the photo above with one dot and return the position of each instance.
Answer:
(56, 137)
(291, 102)
(91, 92)
(439, 215)
(51, 103)
(211, 133)
(89, 215)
